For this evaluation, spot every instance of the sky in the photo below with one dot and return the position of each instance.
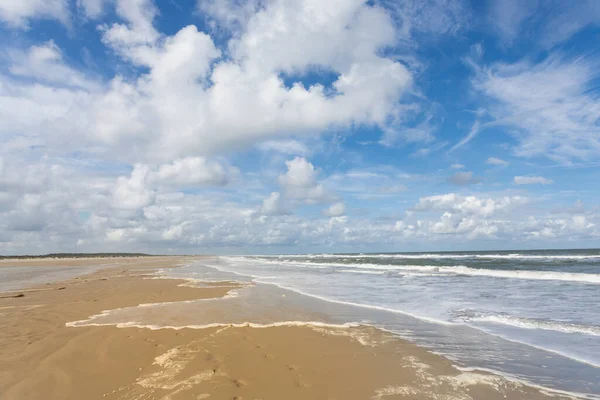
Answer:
(298, 126)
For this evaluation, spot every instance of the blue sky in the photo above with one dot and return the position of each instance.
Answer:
(298, 126)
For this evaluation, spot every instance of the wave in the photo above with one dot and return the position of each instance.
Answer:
(358, 271)
(454, 270)
(522, 274)
(533, 323)
(444, 256)
(361, 305)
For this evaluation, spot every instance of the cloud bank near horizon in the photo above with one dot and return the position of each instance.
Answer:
(280, 125)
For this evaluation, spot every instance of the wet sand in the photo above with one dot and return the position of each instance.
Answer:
(42, 358)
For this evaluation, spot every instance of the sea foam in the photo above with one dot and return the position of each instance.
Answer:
(455, 270)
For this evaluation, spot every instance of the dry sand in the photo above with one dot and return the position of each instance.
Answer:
(41, 358)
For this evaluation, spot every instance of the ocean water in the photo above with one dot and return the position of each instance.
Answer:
(533, 315)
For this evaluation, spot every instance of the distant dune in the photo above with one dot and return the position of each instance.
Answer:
(76, 255)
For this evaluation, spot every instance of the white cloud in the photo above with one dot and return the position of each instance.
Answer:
(286, 146)
(548, 104)
(138, 29)
(133, 193)
(17, 13)
(444, 17)
(193, 171)
(55, 206)
(564, 24)
(180, 100)
(138, 190)
(457, 166)
(459, 225)
(475, 129)
(273, 205)
(93, 8)
(193, 102)
(489, 216)
(173, 233)
(532, 180)
(335, 210)
(497, 161)
(232, 15)
(399, 132)
(45, 63)
(507, 16)
(298, 185)
(556, 228)
(300, 182)
(548, 23)
(468, 205)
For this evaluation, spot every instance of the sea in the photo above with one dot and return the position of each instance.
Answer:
(530, 315)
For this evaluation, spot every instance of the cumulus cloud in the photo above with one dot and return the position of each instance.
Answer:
(147, 159)
(532, 180)
(133, 193)
(487, 217)
(468, 205)
(92, 8)
(130, 37)
(194, 101)
(17, 13)
(61, 207)
(285, 146)
(193, 171)
(299, 185)
(273, 205)
(45, 63)
(335, 210)
(300, 182)
(138, 190)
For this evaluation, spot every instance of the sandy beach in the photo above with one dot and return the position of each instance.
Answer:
(43, 358)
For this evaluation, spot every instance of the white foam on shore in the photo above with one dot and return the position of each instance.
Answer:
(527, 343)
(235, 291)
(471, 373)
(309, 324)
(349, 303)
(381, 393)
(458, 386)
(445, 256)
(531, 323)
(469, 376)
(420, 317)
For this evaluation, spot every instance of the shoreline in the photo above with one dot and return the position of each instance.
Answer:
(302, 361)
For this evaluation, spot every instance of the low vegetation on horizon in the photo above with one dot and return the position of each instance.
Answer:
(76, 255)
